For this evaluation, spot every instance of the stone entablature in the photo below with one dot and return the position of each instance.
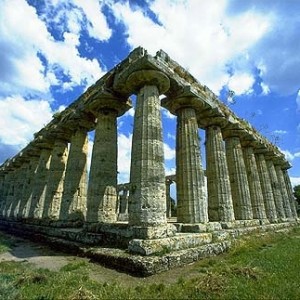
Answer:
(246, 174)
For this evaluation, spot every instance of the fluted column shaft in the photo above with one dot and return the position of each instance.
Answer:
(266, 188)
(147, 201)
(55, 180)
(40, 185)
(73, 204)
(11, 194)
(29, 185)
(22, 181)
(277, 194)
(284, 194)
(191, 197)
(238, 179)
(2, 197)
(220, 206)
(9, 177)
(290, 192)
(102, 194)
(168, 198)
(257, 200)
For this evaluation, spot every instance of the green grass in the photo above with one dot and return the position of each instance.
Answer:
(264, 267)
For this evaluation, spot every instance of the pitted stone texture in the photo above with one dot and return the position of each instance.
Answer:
(10, 194)
(257, 200)
(290, 192)
(266, 188)
(190, 183)
(35, 208)
(277, 194)
(55, 181)
(29, 184)
(147, 200)
(178, 242)
(102, 194)
(73, 205)
(238, 179)
(220, 206)
(284, 194)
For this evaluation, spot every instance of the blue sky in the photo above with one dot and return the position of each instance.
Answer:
(52, 50)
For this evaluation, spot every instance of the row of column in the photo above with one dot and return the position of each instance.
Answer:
(242, 183)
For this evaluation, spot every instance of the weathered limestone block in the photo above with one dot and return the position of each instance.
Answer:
(191, 192)
(123, 205)
(147, 201)
(220, 206)
(238, 179)
(39, 185)
(55, 180)
(284, 194)
(8, 187)
(73, 204)
(290, 192)
(277, 194)
(255, 189)
(266, 188)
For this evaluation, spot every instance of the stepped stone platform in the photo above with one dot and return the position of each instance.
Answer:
(142, 257)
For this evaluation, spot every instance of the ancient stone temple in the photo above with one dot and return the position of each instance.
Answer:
(47, 191)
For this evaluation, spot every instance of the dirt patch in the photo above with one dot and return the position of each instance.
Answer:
(42, 256)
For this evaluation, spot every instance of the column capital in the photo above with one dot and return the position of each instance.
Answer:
(136, 80)
(107, 100)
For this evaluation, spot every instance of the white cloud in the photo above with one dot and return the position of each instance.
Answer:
(241, 83)
(20, 118)
(215, 41)
(280, 132)
(298, 101)
(295, 181)
(171, 136)
(169, 152)
(32, 59)
(167, 114)
(290, 156)
(124, 157)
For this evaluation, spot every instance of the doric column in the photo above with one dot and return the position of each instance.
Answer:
(22, 182)
(2, 197)
(29, 185)
(290, 192)
(10, 199)
(266, 188)
(147, 200)
(37, 199)
(257, 200)
(284, 194)
(102, 194)
(168, 197)
(55, 180)
(123, 203)
(8, 181)
(238, 179)
(220, 206)
(73, 204)
(277, 194)
(190, 182)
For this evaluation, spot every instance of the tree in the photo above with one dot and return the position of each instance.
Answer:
(297, 193)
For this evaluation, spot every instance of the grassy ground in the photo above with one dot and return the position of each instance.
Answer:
(265, 267)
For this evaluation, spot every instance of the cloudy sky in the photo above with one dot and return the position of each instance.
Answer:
(247, 52)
